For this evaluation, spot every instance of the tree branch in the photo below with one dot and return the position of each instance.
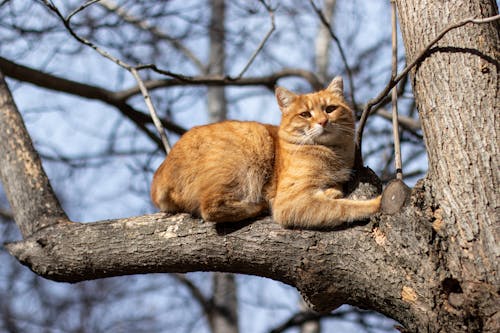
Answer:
(117, 100)
(325, 22)
(222, 80)
(398, 165)
(408, 123)
(155, 31)
(33, 202)
(262, 42)
(6, 214)
(132, 69)
(156, 120)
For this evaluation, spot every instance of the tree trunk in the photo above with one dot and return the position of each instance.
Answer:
(457, 93)
(217, 105)
(324, 41)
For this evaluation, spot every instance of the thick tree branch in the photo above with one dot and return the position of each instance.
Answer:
(329, 268)
(33, 202)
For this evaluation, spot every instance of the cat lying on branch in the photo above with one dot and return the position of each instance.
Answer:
(233, 170)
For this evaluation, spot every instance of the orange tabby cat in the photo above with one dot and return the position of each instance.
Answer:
(233, 170)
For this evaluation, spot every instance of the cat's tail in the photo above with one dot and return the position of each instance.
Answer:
(316, 212)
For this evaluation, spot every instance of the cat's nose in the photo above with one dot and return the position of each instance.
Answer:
(323, 122)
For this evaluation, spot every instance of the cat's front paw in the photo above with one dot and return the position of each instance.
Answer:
(378, 202)
(333, 193)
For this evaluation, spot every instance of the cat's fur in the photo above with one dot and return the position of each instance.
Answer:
(231, 171)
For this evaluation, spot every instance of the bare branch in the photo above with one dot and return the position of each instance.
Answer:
(152, 111)
(325, 22)
(130, 68)
(404, 121)
(52, 82)
(262, 42)
(394, 72)
(34, 203)
(79, 9)
(268, 81)
(155, 31)
(6, 214)
(421, 55)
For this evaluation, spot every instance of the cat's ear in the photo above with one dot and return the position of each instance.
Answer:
(336, 86)
(284, 97)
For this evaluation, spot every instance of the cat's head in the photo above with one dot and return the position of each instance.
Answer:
(322, 117)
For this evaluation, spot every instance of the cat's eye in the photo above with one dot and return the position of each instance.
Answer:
(306, 114)
(331, 108)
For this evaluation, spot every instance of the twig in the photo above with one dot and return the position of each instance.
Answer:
(395, 123)
(6, 215)
(394, 81)
(262, 42)
(205, 303)
(341, 51)
(408, 123)
(145, 25)
(130, 68)
(79, 9)
(268, 81)
(154, 115)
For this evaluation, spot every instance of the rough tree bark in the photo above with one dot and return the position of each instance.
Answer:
(457, 93)
(433, 266)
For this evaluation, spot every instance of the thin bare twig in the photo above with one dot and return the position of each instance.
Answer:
(133, 70)
(395, 124)
(155, 31)
(154, 116)
(325, 22)
(394, 81)
(79, 9)
(262, 42)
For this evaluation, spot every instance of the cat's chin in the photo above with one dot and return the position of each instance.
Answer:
(325, 138)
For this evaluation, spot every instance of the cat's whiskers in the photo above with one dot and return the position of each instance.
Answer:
(344, 129)
(306, 138)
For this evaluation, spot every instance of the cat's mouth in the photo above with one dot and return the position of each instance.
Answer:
(315, 131)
